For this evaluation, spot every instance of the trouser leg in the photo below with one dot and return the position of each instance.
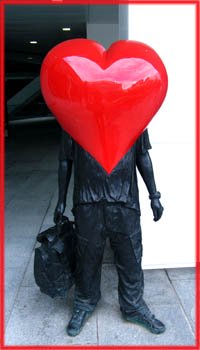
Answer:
(90, 247)
(127, 245)
(131, 282)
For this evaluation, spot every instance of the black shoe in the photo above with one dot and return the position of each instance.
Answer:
(79, 317)
(146, 319)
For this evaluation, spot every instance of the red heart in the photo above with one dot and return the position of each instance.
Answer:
(103, 99)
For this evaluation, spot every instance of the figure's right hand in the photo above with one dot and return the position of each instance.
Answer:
(58, 213)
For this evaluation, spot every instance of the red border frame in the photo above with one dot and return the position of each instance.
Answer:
(56, 2)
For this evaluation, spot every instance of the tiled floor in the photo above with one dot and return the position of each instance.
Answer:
(35, 319)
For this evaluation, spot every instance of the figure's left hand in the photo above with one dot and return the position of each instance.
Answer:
(157, 209)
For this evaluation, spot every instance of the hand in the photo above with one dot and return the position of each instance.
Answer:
(157, 209)
(58, 213)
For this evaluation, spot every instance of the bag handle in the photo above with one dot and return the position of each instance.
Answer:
(60, 223)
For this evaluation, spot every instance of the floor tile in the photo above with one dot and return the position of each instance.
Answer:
(186, 292)
(13, 279)
(37, 319)
(28, 280)
(113, 330)
(187, 273)
(40, 185)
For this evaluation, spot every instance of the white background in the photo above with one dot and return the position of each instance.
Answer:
(170, 30)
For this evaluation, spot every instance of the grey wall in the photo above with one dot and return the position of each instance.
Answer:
(107, 23)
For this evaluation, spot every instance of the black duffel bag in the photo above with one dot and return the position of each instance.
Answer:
(54, 261)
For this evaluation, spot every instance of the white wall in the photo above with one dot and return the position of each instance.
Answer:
(170, 30)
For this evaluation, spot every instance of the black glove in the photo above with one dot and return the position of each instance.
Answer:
(156, 206)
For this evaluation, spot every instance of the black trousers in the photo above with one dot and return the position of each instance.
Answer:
(95, 222)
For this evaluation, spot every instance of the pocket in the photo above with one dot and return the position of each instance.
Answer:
(136, 242)
(80, 251)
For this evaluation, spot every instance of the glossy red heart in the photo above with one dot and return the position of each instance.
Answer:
(103, 99)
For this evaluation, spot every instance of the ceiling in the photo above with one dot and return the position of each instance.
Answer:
(24, 23)
(41, 23)
(44, 24)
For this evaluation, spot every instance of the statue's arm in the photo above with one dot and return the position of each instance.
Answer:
(64, 175)
(145, 167)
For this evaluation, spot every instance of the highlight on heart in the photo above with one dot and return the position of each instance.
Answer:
(103, 98)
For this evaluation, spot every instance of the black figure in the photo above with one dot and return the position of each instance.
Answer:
(108, 206)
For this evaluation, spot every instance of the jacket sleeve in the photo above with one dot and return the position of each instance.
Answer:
(143, 143)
